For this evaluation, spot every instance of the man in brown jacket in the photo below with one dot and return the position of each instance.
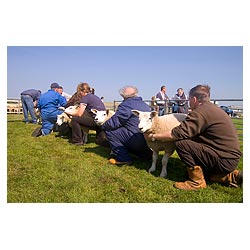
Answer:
(207, 142)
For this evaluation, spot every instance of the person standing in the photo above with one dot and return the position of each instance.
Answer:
(48, 105)
(162, 100)
(122, 129)
(207, 143)
(28, 98)
(180, 102)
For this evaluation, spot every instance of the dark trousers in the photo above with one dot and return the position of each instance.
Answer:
(193, 153)
(123, 142)
(85, 120)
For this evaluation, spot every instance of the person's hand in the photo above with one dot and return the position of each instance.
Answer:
(149, 136)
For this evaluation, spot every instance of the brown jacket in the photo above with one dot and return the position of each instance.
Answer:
(211, 126)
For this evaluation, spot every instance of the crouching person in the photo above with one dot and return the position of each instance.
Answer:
(207, 142)
(122, 129)
(48, 105)
(84, 117)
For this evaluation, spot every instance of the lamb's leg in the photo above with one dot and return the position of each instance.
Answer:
(85, 137)
(164, 165)
(154, 161)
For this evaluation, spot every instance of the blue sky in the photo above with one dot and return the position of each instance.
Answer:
(108, 68)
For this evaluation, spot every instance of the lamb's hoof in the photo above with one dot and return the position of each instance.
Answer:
(151, 170)
(163, 175)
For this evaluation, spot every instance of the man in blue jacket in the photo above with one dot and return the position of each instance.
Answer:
(48, 104)
(28, 97)
(122, 129)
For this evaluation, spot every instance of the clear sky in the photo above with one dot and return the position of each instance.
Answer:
(108, 68)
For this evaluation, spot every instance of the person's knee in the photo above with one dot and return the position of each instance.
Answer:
(73, 122)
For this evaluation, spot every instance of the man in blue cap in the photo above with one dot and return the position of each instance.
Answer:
(48, 105)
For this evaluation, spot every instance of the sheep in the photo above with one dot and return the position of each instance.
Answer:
(151, 122)
(66, 118)
(102, 116)
(38, 115)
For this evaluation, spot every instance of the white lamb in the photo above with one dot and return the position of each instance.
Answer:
(102, 116)
(64, 117)
(151, 122)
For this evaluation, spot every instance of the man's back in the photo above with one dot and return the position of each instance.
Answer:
(50, 101)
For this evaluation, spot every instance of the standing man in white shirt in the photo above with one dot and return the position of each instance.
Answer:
(162, 99)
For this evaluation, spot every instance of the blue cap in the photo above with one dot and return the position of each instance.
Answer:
(54, 85)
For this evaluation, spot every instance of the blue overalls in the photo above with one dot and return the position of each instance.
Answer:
(48, 105)
(123, 133)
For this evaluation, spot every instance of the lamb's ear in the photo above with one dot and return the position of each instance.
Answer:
(135, 112)
(107, 111)
(153, 114)
(94, 111)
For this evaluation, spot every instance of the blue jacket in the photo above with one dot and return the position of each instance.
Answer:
(123, 117)
(50, 101)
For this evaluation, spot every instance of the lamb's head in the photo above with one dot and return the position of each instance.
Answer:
(145, 119)
(61, 119)
(64, 117)
(72, 109)
(101, 115)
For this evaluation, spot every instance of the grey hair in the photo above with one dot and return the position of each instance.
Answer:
(128, 92)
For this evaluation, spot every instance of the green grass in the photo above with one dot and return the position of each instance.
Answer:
(50, 169)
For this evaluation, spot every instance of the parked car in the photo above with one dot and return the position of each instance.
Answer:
(229, 111)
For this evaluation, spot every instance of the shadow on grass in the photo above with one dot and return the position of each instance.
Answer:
(102, 151)
(176, 170)
(15, 121)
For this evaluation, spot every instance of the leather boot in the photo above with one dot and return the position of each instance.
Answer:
(196, 179)
(233, 179)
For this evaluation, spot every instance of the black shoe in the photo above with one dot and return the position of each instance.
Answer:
(37, 132)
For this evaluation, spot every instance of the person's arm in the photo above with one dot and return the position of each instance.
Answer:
(119, 119)
(166, 136)
(62, 100)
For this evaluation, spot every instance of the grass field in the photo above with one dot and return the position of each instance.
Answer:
(50, 169)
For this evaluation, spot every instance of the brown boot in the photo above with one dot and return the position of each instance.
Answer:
(196, 179)
(233, 179)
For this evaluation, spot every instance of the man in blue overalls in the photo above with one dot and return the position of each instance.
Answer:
(48, 104)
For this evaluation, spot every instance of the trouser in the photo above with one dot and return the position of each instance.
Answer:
(123, 142)
(86, 120)
(179, 109)
(193, 153)
(161, 110)
(28, 106)
(49, 120)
